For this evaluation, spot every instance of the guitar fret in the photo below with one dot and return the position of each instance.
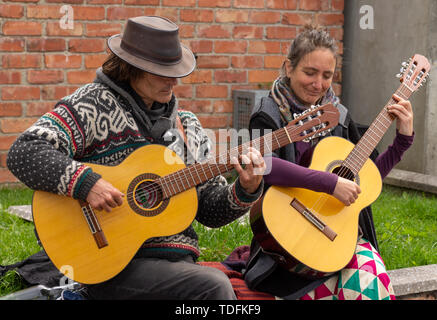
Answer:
(195, 169)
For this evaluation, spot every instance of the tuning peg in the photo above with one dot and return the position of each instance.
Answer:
(404, 64)
(399, 75)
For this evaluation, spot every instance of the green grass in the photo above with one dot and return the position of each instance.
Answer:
(405, 220)
(406, 227)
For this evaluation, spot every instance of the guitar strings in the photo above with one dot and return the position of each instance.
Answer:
(345, 171)
(179, 177)
(169, 179)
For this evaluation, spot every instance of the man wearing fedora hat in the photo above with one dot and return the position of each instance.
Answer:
(131, 104)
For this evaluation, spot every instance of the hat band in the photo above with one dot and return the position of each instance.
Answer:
(150, 55)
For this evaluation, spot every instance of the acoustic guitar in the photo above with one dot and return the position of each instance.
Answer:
(91, 246)
(300, 226)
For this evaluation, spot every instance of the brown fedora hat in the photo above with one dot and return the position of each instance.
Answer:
(152, 44)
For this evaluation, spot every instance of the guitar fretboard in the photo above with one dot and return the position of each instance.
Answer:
(199, 173)
(368, 142)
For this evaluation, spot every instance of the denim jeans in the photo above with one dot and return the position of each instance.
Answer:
(154, 278)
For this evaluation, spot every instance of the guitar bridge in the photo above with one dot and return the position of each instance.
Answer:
(311, 217)
(93, 224)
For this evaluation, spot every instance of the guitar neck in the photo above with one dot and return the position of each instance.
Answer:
(368, 142)
(199, 173)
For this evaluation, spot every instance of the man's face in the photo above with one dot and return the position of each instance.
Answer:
(152, 88)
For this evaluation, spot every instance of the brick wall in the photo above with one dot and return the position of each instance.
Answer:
(238, 43)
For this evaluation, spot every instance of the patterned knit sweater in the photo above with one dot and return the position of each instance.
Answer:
(99, 123)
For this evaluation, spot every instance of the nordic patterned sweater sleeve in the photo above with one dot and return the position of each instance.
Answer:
(42, 157)
(219, 202)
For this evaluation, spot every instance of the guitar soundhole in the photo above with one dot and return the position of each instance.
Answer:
(148, 194)
(145, 195)
(346, 173)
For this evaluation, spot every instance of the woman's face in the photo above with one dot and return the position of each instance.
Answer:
(312, 77)
(152, 88)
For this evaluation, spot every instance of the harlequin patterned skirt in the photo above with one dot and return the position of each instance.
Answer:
(364, 278)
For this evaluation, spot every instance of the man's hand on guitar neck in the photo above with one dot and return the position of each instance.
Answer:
(104, 196)
(346, 191)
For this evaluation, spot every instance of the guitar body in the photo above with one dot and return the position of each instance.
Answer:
(65, 234)
(280, 228)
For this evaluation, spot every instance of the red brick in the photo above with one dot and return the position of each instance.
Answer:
(11, 44)
(3, 157)
(81, 77)
(282, 4)
(198, 76)
(201, 46)
(273, 61)
(232, 16)
(56, 92)
(86, 45)
(10, 77)
(263, 76)
(213, 62)
(15, 125)
(10, 109)
(264, 47)
(66, 1)
(230, 46)
(21, 61)
(104, 1)
(196, 15)
(20, 93)
(94, 61)
(183, 91)
(247, 32)
(123, 13)
(43, 12)
(196, 106)
(54, 29)
(229, 76)
(179, 3)
(211, 91)
(7, 141)
(310, 5)
(6, 176)
(297, 18)
(329, 19)
(22, 28)
(102, 29)
(223, 106)
(215, 3)
(11, 11)
(336, 33)
(214, 121)
(45, 76)
(337, 5)
(186, 31)
(281, 32)
(214, 31)
(249, 4)
(37, 109)
(52, 44)
(62, 61)
(142, 2)
(247, 62)
(88, 13)
(166, 12)
(265, 17)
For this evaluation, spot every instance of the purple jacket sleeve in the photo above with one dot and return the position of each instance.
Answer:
(390, 157)
(288, 174)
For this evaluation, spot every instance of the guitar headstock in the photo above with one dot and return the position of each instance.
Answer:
(414, 72)
(314, 122)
